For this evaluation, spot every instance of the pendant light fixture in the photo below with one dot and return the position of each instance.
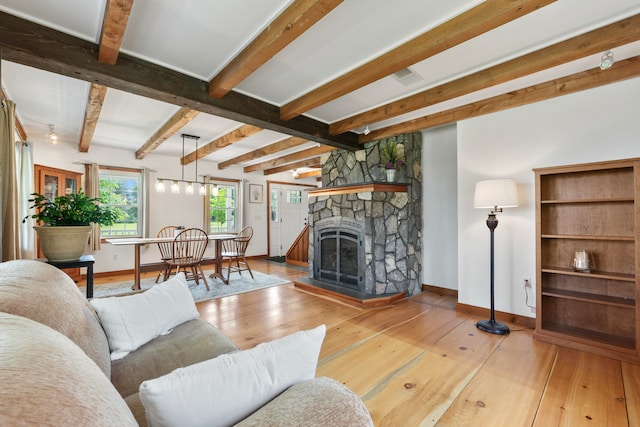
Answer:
(190, 184)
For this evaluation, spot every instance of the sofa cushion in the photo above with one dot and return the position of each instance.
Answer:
(189, 343)
(47, 295)
(224, 390)
(133, 320)
(48, 379)
(320, 402)
(137, 409)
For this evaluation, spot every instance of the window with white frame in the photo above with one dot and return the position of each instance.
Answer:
(223, 207)
(122, 191)
(294, 197)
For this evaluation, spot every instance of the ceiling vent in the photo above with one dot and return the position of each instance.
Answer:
(407, 76)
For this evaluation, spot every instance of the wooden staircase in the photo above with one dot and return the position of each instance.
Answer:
(298, 253)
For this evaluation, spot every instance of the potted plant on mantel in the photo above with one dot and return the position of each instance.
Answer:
(65, 223)
(392, 156)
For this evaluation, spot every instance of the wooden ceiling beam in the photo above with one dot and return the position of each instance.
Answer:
(183, 116)
(593, 42)
(235, 135)
(480, 19)
(309, 174)
(298, 155)
(308, 163)
(19, 128)
(34, 45)
(290, 24)
(95, 100)
(621, 70)
(116, 16)
(264, 151)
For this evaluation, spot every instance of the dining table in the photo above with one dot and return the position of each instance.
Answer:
(138, 242)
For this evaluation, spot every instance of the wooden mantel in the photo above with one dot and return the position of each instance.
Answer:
(368, 187)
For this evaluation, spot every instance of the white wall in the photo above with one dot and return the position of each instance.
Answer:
(440, 207)
(165, 208)
(599, 124)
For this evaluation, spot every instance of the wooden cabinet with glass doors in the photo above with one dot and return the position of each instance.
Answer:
(587, 228)
(52, 182)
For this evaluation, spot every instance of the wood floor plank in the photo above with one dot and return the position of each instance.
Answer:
(421, 392)
(281, 311)
(583, 390)
(364, 367)
(508, 388)
(354, 331)
(631, 377)
(221, 310)
(439, 299)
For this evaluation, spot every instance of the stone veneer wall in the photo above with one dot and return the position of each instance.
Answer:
(393, 221)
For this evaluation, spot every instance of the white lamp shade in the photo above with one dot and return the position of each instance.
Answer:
(501, 193)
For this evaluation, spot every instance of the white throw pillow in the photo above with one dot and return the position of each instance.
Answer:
(230, 387)
(133, 320)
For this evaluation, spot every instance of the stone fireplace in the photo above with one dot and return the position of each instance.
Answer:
(365, 233)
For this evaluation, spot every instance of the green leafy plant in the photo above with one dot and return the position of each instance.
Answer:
(74, 209)
(392, 155)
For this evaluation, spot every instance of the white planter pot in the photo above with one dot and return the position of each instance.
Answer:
(63, 243)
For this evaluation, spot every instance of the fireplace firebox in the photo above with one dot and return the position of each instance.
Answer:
(339, 257)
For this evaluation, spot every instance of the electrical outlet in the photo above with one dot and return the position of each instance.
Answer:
(529, 294)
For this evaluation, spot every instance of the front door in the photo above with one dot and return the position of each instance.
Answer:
(288, 214)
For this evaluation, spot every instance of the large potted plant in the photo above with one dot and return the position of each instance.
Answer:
(65, 223)
(392, 155)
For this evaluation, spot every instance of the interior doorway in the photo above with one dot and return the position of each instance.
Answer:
(288, 214)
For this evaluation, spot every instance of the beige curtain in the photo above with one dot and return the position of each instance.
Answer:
(92, 189)
(9, 196)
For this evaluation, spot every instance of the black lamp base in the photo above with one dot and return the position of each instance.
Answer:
(493, 327)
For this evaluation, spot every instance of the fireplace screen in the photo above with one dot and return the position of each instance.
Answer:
(340, 258)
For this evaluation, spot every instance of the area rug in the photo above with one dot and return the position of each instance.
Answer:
(238, 283)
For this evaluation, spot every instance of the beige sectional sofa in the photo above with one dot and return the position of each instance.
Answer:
(56, 369)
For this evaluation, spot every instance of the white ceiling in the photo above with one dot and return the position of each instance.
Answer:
(199, 37)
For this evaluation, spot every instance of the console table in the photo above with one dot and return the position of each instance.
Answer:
(84, 261)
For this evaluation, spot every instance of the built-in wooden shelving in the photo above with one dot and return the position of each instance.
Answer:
(591, 207)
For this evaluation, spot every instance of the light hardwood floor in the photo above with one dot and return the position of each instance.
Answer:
(421, 363)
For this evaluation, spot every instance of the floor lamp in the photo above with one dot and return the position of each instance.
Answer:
(494, 194)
